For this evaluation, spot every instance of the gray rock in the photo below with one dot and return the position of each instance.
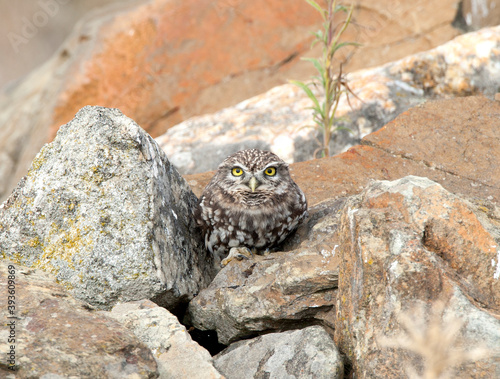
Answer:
(56, 336)
(306, 353)
(277, 291)
(176, 354)
(104, 211)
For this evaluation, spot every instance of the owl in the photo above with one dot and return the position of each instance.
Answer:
(250, 206)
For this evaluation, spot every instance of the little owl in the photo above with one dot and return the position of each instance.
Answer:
(250, 205)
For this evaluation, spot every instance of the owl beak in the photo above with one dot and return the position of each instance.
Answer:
(253, 183)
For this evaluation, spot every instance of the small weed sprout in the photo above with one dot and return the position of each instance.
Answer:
(332, 85)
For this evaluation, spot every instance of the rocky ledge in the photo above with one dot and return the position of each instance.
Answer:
(396, 270)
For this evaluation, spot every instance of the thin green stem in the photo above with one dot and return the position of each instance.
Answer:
(334, 87)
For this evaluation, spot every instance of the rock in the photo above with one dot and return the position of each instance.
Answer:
(161, 62)
(306, 353)
(410, 243)
(474, 14)
(279, 291)
(51, 22)
(104, 211)
(176, 354)
(465, 146)
(280, 120)
(453, 142)
(58, 336)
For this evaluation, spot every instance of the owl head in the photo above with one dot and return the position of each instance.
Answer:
(253, 173)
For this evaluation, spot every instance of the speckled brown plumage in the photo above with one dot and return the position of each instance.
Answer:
(231, 215)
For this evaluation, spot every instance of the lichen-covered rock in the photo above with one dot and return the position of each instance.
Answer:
(177, 355)
(104, 211)
(56, 336)
(406, 245)
(306, 353)
(277, 291)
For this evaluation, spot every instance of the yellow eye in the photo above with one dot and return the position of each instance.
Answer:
(270, 171)
(236, 171)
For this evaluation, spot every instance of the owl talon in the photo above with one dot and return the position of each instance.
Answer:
(238, 253)
(266, 252)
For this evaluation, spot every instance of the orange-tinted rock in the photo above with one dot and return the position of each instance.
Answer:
(460, 137)
(155, 60)
(159, 59)
(410, 243)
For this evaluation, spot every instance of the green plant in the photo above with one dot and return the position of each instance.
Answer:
(332, 85)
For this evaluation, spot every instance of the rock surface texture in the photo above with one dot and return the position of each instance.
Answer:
(306, 353)
(104, 211)
(56, 336)
(281, 119)
(410, 243)
(174, 350)
(163, 61)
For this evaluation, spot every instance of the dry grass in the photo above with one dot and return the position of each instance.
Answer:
(435, 341)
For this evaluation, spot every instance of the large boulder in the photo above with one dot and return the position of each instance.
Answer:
(305, 353)
(407, 245)
(104, 211)
(49, 334)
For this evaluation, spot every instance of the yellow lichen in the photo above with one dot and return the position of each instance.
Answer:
(34, 242)
(39, 159)
(63, 243)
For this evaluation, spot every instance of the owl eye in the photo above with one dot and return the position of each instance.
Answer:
(270, 171)
(236, 171)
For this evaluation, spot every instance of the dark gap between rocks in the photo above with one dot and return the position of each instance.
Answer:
(207, 339)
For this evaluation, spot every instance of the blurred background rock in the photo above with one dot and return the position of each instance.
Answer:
(60, 17)
(471, 15)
